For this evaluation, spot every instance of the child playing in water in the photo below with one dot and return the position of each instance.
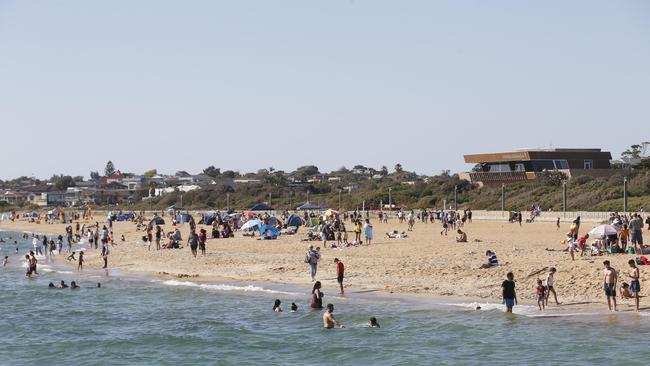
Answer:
(509, 294)
(541, 294)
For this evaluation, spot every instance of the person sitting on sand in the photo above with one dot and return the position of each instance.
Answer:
(492, 260)
(276, 306)
(396, 235)
(625, 291)
(462, 237)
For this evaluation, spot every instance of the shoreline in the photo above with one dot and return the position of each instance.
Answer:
(390, 268)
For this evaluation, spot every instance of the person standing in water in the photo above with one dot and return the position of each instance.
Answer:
(316, 296)
(105, 251)
(340, 272)
(329, 322)
(81, 261)
(609, 284)
(509, 294)
(4, 262)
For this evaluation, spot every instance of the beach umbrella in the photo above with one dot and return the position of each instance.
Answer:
(251, 225)
(603, 230)
(330, 212)
(250, 214)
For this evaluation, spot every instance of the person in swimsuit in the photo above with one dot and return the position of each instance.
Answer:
(329, 322)
(32, 262)
(549, 286)
(609, 284)
(63, 285)
(4, 262)
(73, 285)
(276, 306)
(635, 285)
(373, 323)
(340, 272)
(316, 296)
(294, 307)
(540, 290)
(29, 267)
(81, 262)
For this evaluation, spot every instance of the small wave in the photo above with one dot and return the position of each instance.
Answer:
(224, 287)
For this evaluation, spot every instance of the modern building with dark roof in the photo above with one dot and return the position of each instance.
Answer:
(526, 164)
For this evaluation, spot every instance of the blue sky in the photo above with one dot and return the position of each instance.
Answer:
(244, 85)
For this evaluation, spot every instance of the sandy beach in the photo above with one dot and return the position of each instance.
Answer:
(425, 263)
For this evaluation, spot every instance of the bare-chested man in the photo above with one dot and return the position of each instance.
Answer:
(329, 321)
(609, 282)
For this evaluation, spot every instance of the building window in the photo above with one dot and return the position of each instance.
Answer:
(561, 164)
(519, 167)
(589, 164)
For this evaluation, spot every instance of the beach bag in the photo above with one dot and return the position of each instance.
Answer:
(630, 250)
(307, 258)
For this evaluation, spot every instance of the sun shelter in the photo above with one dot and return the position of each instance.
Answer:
(308, 206)
(261, 207)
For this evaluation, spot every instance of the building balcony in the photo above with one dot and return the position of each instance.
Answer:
(501, 177)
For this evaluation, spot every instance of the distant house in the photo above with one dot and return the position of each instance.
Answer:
(56, 198)
(527, 164)
(12, 197)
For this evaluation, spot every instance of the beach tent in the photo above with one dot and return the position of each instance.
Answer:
(261, 207)
(157, 221)
(251, 225)
(209, 219)
(295, 220)
(5, 217)
(33, 214)
(270, 229)
(603, 230)
(273, 220)
(307, 206)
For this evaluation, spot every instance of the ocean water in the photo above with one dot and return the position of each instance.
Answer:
(135, 320)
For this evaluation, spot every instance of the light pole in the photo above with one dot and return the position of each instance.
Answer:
(625, 195)
(228, 201)
(270, 200)
(503, 199)
(456, 198)
(564, 198)
(340, 190)
(390, 202)
(181, 201)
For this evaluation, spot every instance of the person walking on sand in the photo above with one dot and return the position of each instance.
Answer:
(557, 224)
(549, 286)
(340, 272)
(635, 285)
(193, 242)
(509, 294)
(367, 229)
(357, 231)
(158, 236)
(312, 257)
(203, 237)
(609, 283)
(105, 252)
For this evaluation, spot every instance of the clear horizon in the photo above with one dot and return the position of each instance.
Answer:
(252, 84)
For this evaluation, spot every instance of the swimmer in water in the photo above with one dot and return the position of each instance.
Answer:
(73, 285)
(373, 323)
(51, 285)
(294, 307)
(4, 262)
(276, 306)
(99, 285)
(63, 285)
(329, 322)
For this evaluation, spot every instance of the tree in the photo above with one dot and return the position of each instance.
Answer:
(211, 171)
(150, 173)
(307, 170)
(94, 175)
(384, 170)
(398, 168)
(109, 169)
(229, 174)
(634, 152)
(61, 182)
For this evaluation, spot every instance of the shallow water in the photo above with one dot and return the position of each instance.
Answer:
(140, 320)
